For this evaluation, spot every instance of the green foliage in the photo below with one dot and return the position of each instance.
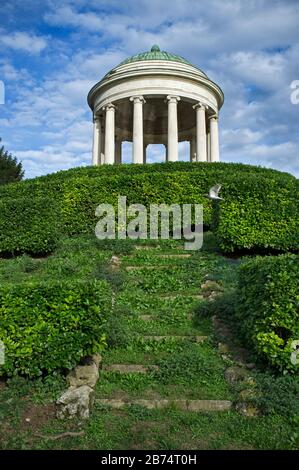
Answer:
(194, 363)
(10, 169)
(51, 326)
(267, 310)
(259, 210)
(28, 225)
(278, 395)
(222, 305)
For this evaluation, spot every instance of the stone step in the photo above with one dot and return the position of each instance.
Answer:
(129, 368)
(181, 404)
(156, 318)
(147, 317)
(175, 255)
(196, 339)
(150, 266)
(146, 247)
(158, 247)
(180, 294)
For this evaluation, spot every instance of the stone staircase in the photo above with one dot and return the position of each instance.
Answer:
(155, 314)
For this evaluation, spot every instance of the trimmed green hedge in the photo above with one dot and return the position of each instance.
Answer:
(267, 310)
(36, 184)
(259, 212)
(260, 209)
(29, 225)
(51, 326)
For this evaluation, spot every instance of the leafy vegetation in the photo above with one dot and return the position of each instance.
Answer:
(51, 326)
(186, 369)
(260, 213)
(267, 308)
(28, 225)
(259, 210)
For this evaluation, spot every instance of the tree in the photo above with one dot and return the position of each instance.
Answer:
(10, 169)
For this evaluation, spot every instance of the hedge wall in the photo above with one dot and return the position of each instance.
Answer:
(29, 224)
(46, 327)
(268, 308)
(259, 212)
(260, 207)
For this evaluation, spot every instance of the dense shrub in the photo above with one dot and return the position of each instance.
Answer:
(278, 394)
(28, 225)
(50, 326)
(267, 311)
(260, 209)
(259, 212)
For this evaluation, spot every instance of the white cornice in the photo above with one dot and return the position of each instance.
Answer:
(149, 69)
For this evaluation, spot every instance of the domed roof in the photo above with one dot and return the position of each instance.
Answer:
(156, 54)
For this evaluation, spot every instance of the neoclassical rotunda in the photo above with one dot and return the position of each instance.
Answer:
(155, 98)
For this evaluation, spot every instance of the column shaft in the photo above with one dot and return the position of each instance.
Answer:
(201, 139)
(110, 134)
(96, 144)
(208, 146)
(214, 139)
(172, 144)
(137, 129)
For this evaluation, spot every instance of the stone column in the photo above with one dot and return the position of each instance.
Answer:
(103, 145)
(192, 149)
(137, 128)
(96, 144)
(214, 139)
(166, 152)
(172, 144)
(110, 134)
(201, 139)
(118, 143)
(208, 146)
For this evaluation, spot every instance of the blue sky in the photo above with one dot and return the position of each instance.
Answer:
(52, 52)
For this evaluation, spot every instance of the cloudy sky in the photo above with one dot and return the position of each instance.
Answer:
(53, 51)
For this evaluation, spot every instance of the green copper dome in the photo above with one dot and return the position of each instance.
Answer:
(154, 54)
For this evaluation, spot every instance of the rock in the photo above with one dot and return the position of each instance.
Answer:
(97, 359)
(211, 285)
(250, 382)
(235, 374)
(210, 295)
(223, 348)
(114, 263)
(75, 403)
(115, 260)
(227, 358)
(247, 395)
(83, 375)
(248, 410)
(88, 360)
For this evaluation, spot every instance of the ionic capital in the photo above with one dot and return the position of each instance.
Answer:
(214, 117)
(137, 99)
(172, 99)
(109, 106)
(200, 105)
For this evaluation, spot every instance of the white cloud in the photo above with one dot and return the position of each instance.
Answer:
(66, 16)
(23, 41)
